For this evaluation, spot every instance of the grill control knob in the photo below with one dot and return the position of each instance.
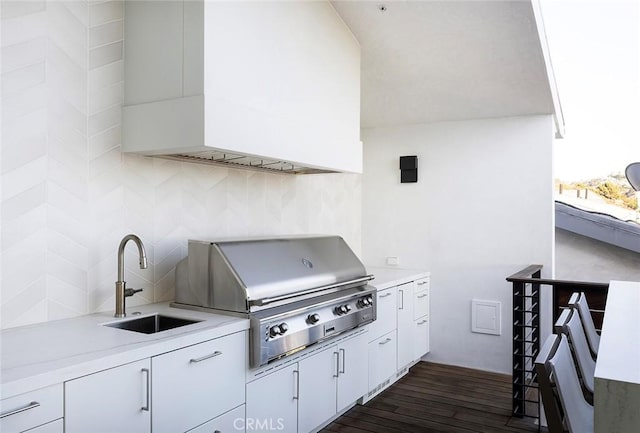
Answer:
(283, 328)
(347, 307)
(312, 319)
(275, 331)
(363, 302)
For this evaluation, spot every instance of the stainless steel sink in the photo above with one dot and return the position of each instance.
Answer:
(152, 324)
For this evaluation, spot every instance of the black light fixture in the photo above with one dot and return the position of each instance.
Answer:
(633, 175)
(408, 169)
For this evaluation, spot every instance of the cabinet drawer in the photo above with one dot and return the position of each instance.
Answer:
(421, 304)
(423, 284)
(230, 422)
(382, 359)
(193, 385)
(31, 409)
(56, 426)
(386, 313)
(421, 335)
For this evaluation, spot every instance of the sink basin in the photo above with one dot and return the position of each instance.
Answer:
(151, 324)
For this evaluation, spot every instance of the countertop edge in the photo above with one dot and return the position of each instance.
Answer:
(385, 278)
(18, 380)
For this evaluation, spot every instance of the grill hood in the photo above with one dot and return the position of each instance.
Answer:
(250, 275)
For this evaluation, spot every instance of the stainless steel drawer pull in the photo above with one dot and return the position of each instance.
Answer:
(337, 354)
(343, 360)
(422, 283)
(203, 358)
(385, 295)
(297, 387)
(424, 295)
(148, 389)
(32, 405)
(422, 322)
(385, 341)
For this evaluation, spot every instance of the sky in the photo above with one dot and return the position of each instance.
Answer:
(595, 52)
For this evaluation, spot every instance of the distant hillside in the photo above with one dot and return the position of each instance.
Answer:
(614, 188)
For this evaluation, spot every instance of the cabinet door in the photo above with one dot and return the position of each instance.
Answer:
(405, 325)
(421, 345)
(272, 402)
(318, 375)
(382, 359)
(386, 314)
(354, 373)
(197, 383)
(114, 400)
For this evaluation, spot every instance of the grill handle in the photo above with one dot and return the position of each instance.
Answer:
(266, 301)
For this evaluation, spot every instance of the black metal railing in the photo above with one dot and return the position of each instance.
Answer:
(527, 285)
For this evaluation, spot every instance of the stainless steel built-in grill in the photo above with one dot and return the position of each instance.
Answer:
(295, 291)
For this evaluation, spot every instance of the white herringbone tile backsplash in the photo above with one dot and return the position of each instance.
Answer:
(68, 195)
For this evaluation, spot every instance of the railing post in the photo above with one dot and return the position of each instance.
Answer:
(518, 378)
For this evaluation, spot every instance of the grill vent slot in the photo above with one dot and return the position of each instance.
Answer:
(226, 159)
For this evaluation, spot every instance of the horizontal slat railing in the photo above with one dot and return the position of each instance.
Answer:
(526, 287)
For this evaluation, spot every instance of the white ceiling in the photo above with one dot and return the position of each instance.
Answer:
(426, 61)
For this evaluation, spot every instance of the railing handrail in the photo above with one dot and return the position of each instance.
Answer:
(525, 276)
(525, 273)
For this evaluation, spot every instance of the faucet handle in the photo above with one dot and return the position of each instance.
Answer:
(131, 292)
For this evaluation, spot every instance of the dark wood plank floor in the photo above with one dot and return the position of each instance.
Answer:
(438, 398)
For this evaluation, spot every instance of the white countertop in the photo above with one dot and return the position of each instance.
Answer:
(619, 351)
(47, 353)
(617, 375)
(389, 277)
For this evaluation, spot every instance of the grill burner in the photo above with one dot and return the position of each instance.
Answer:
(295, 291)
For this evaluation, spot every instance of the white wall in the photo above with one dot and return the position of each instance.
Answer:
(68, 195)
(482, 209)
(584, 259)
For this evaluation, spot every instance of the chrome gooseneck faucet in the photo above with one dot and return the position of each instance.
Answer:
(121, 291)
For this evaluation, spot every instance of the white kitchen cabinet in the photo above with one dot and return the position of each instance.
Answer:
(353, 372)
(331, 381)
(234, 79)
(403, 322)
(382, 360)
(272, 401)
(421, 332)
(421, 300)
(26, 411)
(318, 380)
(197, 383)
(406, 337)
(303, 395)
(230, 422)
(385, 315)
(114, 400)
(421, 315)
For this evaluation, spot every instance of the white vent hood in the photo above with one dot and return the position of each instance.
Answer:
(268, 85)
